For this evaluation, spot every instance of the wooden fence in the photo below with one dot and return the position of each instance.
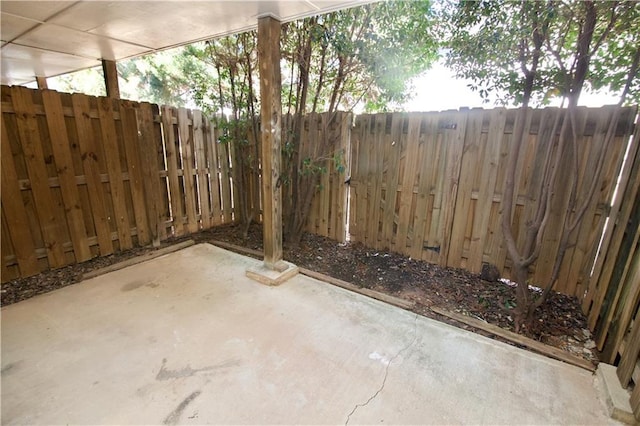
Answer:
(85, 176)
(328, 214)
(429, 185)
(612, 301)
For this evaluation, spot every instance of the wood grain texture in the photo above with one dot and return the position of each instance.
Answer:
(114, 169)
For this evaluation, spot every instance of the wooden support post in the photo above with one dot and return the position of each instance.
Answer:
(42, 82)
(271, 118)
(111, 78)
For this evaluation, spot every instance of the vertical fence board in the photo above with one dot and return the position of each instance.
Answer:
(136, 179)
(454, 143)
(408, 181)
(362, 181)
(617, 321)
(51, 225)
(186, 145)
(89, 153)
(342, 188)
(9, 271)
(324, 191)
(391, 181)
(114, 169)
(354, 202)
(488, 176)
(225, 174)
(20, 232)
(66, 174)
(466, 184)
(614, 234)
(376, 150)
(214, 173)
(632, 350)
(201, 167)
(150, 173)
(172, 171)
(425, 166)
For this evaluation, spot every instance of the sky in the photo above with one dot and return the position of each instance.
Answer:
(438, 89)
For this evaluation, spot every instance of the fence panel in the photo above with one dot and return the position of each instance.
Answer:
(434, 191)
(85, 176)
(613, 294)
(328, 216)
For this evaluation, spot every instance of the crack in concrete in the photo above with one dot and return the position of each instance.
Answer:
(386, 372)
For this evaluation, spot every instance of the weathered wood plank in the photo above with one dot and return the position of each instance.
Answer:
(132, 145)
(614, 234)
(631, 352)
(214, 172)
(8, 270)
(186, 145)
(342, 188)
(433, 233)
(114, 169)
(150, 170)
(324, 192)
(90, 159)
(201, 169)
(635, 401)
(466, 184)
(374, 177)
(454, 125)
(19, 231)
(614, 323)
(408, 181)
(586, 241)
(354, 201)
(393, 172)
(51, 225)
(66, 174)
(362, 180)
(488, 178)
(175, 193)
(559, 211)
(428, 140)
(225, 182)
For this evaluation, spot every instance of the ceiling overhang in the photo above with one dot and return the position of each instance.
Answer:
(49, 38)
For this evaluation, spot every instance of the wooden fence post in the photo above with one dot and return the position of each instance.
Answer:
(111, 79)
(271, 118)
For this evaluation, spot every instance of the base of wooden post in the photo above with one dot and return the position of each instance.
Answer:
(615, 396)
(273, 276)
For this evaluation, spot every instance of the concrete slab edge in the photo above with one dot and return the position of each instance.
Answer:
(518, 339)
(138, 259)
(614, 395)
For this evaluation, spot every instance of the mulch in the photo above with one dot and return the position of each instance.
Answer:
(559, 322)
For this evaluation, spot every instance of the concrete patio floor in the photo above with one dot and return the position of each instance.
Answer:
(188, 339)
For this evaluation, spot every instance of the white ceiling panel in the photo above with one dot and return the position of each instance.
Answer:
(205, 20)
(36, 10)
(64, 40)
(70, 36)
(20, 61)
(14, 26)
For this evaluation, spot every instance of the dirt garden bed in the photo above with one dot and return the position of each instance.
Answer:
(560, 323)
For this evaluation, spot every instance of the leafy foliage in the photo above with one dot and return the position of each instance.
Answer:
(488, 41)
(531, 52)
